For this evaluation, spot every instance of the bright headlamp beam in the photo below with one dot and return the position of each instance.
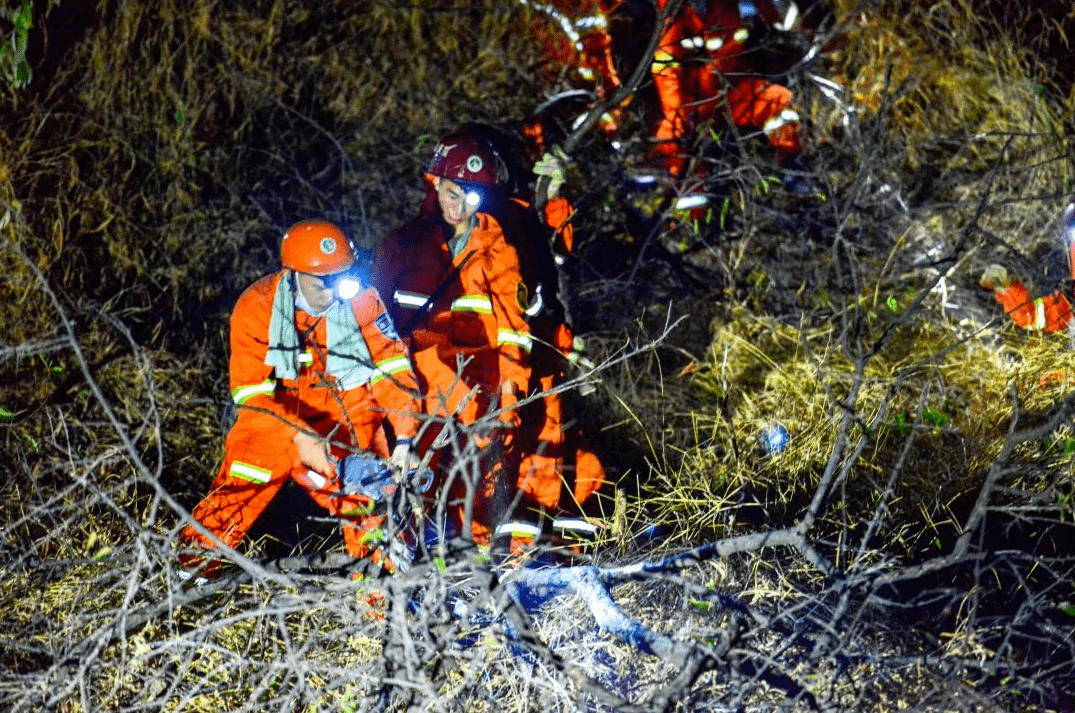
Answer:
(348, 287)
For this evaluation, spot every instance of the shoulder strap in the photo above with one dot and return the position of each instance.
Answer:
(436, 294)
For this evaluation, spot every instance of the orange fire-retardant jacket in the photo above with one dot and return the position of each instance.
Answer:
(282, 406)
(701, 63)
(1051, 313)
(478, 314)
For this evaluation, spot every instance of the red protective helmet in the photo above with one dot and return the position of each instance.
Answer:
(461, 157)
(316, 247)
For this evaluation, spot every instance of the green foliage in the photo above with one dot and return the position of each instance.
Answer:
(15, 69)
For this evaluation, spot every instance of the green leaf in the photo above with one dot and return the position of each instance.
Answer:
(4, 413)
(892, 303)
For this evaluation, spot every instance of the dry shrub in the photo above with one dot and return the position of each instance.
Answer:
(154, 186)
(953, 396)
(956, 91)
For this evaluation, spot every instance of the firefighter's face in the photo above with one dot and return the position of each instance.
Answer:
(317, 291)
(457, 205)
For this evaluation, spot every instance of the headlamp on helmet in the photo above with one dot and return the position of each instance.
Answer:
(345, 284)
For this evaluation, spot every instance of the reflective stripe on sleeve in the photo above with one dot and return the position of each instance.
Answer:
(473, 303)
(1039, 313)
(575, 525)
(523, 341)
(518, 529)
(245, 471)
(410, 299)
(243, 393)
(390, 366)
(788, 116)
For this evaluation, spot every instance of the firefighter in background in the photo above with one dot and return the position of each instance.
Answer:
(316, 371)
(454, 282)
(1049, 313)
(577, 43)
(702, 68)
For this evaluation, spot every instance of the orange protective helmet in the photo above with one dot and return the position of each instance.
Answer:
(316, 247)
(465, 159)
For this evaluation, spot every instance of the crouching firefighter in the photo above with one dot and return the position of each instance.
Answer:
(316, 370)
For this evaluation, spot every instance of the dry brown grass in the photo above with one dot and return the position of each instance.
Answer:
(145, 181)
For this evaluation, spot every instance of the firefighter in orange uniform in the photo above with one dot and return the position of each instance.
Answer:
(576, 37)
(316, 370)
(1049, 313)
(451, 282)
(701, 64)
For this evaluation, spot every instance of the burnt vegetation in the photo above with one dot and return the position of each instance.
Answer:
(910, 548)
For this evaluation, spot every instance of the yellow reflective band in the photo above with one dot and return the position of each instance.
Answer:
(518, 529)
(523, 341)
(245, 471)
(741, 34)
(307, 357)
(662, 59)
(390, 366)
(243, 393)
(1039, 313)
(473, 303)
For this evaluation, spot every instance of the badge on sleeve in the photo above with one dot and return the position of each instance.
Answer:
(388, 329)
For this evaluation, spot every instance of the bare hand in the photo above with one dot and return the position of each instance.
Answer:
(314, 454)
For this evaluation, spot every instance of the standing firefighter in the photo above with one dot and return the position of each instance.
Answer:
(466, 288)
(702, 68)
(452, 282)
(316, 370)
(1048, 313)
(574, 35)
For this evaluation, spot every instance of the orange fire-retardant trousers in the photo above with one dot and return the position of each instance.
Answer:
(256, 465)
(449, 395)
(557, 472)
(690, 96)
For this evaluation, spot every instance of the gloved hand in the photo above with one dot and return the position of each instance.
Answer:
(509, 397)
(400, 555)
(403, 459)
(995, 277)
(552, 166)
